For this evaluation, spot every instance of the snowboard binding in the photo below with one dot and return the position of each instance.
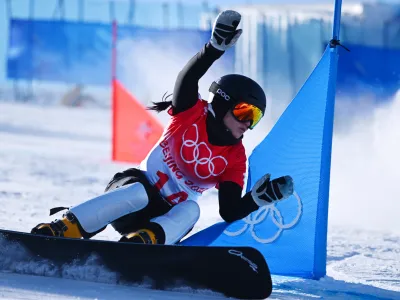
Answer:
(141, 236)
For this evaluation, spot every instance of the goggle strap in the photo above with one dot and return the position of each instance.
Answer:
(213, 88)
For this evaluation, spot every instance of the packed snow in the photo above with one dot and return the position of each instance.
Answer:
(60, 156)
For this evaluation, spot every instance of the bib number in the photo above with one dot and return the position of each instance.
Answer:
(174, 198)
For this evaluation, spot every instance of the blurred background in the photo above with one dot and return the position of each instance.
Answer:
(61, 51)
(66, 52)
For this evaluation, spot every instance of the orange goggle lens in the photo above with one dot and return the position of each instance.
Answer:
(244, 112)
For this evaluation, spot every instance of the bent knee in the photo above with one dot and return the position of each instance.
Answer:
(179, 220)
(189, 210)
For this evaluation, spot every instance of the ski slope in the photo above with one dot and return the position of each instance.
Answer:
(57, 156)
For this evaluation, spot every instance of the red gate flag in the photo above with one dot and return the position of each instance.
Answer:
(135, 130)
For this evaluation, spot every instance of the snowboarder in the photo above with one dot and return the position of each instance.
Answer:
(201, 148)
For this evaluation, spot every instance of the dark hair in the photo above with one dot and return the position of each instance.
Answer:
(161, 105)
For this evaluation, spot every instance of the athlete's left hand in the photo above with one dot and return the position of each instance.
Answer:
(225, 33)
(267, 191)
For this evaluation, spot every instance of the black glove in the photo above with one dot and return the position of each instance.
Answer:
(267, 191)
(224, 33)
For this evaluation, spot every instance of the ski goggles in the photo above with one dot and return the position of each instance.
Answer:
(244, 112)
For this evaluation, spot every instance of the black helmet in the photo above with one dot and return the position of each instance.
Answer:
(232, 89)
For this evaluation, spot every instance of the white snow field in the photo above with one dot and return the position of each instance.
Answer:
(57, 156)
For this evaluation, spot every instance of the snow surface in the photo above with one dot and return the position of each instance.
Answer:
(58, 156)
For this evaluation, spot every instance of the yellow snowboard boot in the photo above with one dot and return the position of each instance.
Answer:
(61, 228)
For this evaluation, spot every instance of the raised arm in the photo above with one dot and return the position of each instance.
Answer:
(224, 35)
(186, 86)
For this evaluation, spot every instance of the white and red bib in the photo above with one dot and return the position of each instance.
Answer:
(183, 164)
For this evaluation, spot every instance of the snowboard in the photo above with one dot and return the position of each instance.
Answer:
(239, 272)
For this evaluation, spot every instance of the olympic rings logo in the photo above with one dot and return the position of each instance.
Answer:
(207, 160)
(252, 220)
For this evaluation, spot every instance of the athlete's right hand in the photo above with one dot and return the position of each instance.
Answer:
(224, 33)
(267, 191)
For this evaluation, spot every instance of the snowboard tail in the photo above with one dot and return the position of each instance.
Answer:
(239, 272)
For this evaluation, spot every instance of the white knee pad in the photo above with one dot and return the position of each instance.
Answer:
(178, 220)
(98, 212)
